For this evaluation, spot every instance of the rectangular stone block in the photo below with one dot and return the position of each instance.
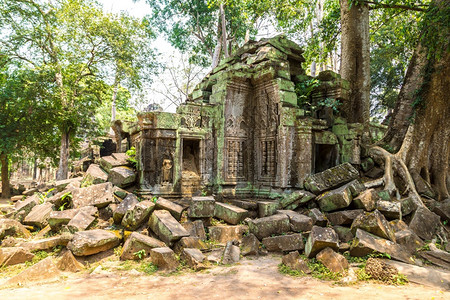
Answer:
(331, 178)
(230, 213)
(175, 210)
(289, 242)
(166, 227)
(201, 207)
(264, 227)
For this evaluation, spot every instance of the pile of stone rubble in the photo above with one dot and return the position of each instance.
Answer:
(336, 213)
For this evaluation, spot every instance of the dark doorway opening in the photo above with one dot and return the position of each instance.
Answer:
(325, 157)
(191, 156)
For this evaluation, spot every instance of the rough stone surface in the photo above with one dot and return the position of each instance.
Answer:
(166, 227)
(345, 234)
(295, 262)
(366, 200)
(437, 257)
(14, 255)
(164, 258)
(265, 227)
(92, 241)
(138, 215)
(69, 263)
(195, 229)
(289, 242)
(95, 175)
(250, 245)
(230, 213)
(374, 223)
(61, 185)
(81, 221)
(99, 195)
(224, 234)
(58, 218)
(335, 199)
(114, 160)
(366, 243)
(23, 208)
(127, 203)
(13, 228)
(318, 217)
(344, 217)
(122, 176)
(321, 238)
(296, 198)
(189, 242)
(38, 216)
(231, 254)
(409, 240)
(194, 258)
(137, 242)
(43, 271)
(408, 206)
(331, 178)
(175, 210)
(424, 223)
(391, 210)
(267, 208)
(335, 262)
(47, 243)
(442, 209)
(298, 222)
(201, 207)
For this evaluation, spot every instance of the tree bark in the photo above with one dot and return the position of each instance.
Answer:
(423, 160)
(224, 31)
(401, 116)
(355, 61)
(6, 192)
(114, 97)
(63, 168)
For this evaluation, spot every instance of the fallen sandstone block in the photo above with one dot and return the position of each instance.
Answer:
(264, 227)
(137, 215)
(230, 213)
(175, 210)
(137, 242)
(289, 242)
(92, 241)
(335, 262)
(164, 258)
(201, 207)
(321, 238)
(331, 178)
(166, 227)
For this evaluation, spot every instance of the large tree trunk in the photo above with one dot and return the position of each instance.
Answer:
(355, 61)
(6, 192)
(424, 155)
(63, 168)
(427, 152)
(401, 117)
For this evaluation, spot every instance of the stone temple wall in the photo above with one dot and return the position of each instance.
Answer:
(244, 132)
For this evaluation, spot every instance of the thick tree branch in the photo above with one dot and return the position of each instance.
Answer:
(375, 5)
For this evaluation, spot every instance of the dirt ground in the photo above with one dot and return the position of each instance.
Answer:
(250, 279)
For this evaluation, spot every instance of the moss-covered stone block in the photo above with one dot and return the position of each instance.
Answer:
(230, 213)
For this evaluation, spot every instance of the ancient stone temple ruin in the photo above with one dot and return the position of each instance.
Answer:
(245, 131)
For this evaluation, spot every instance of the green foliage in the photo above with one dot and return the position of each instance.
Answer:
(43, 196)
(132, 156)
(148, 268)
(319, 271)
(330, 103)
(283, 269)
(304, 90)
(140, 254)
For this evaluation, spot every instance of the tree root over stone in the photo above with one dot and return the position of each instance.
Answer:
(394, 165)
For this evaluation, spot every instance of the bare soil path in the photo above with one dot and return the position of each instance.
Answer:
(251, 279)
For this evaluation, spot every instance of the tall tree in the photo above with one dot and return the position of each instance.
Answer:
(26, 119)
(76, 40)
(423, 155)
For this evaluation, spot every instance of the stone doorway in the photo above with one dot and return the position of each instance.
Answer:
(191, 168)
(325, 157)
